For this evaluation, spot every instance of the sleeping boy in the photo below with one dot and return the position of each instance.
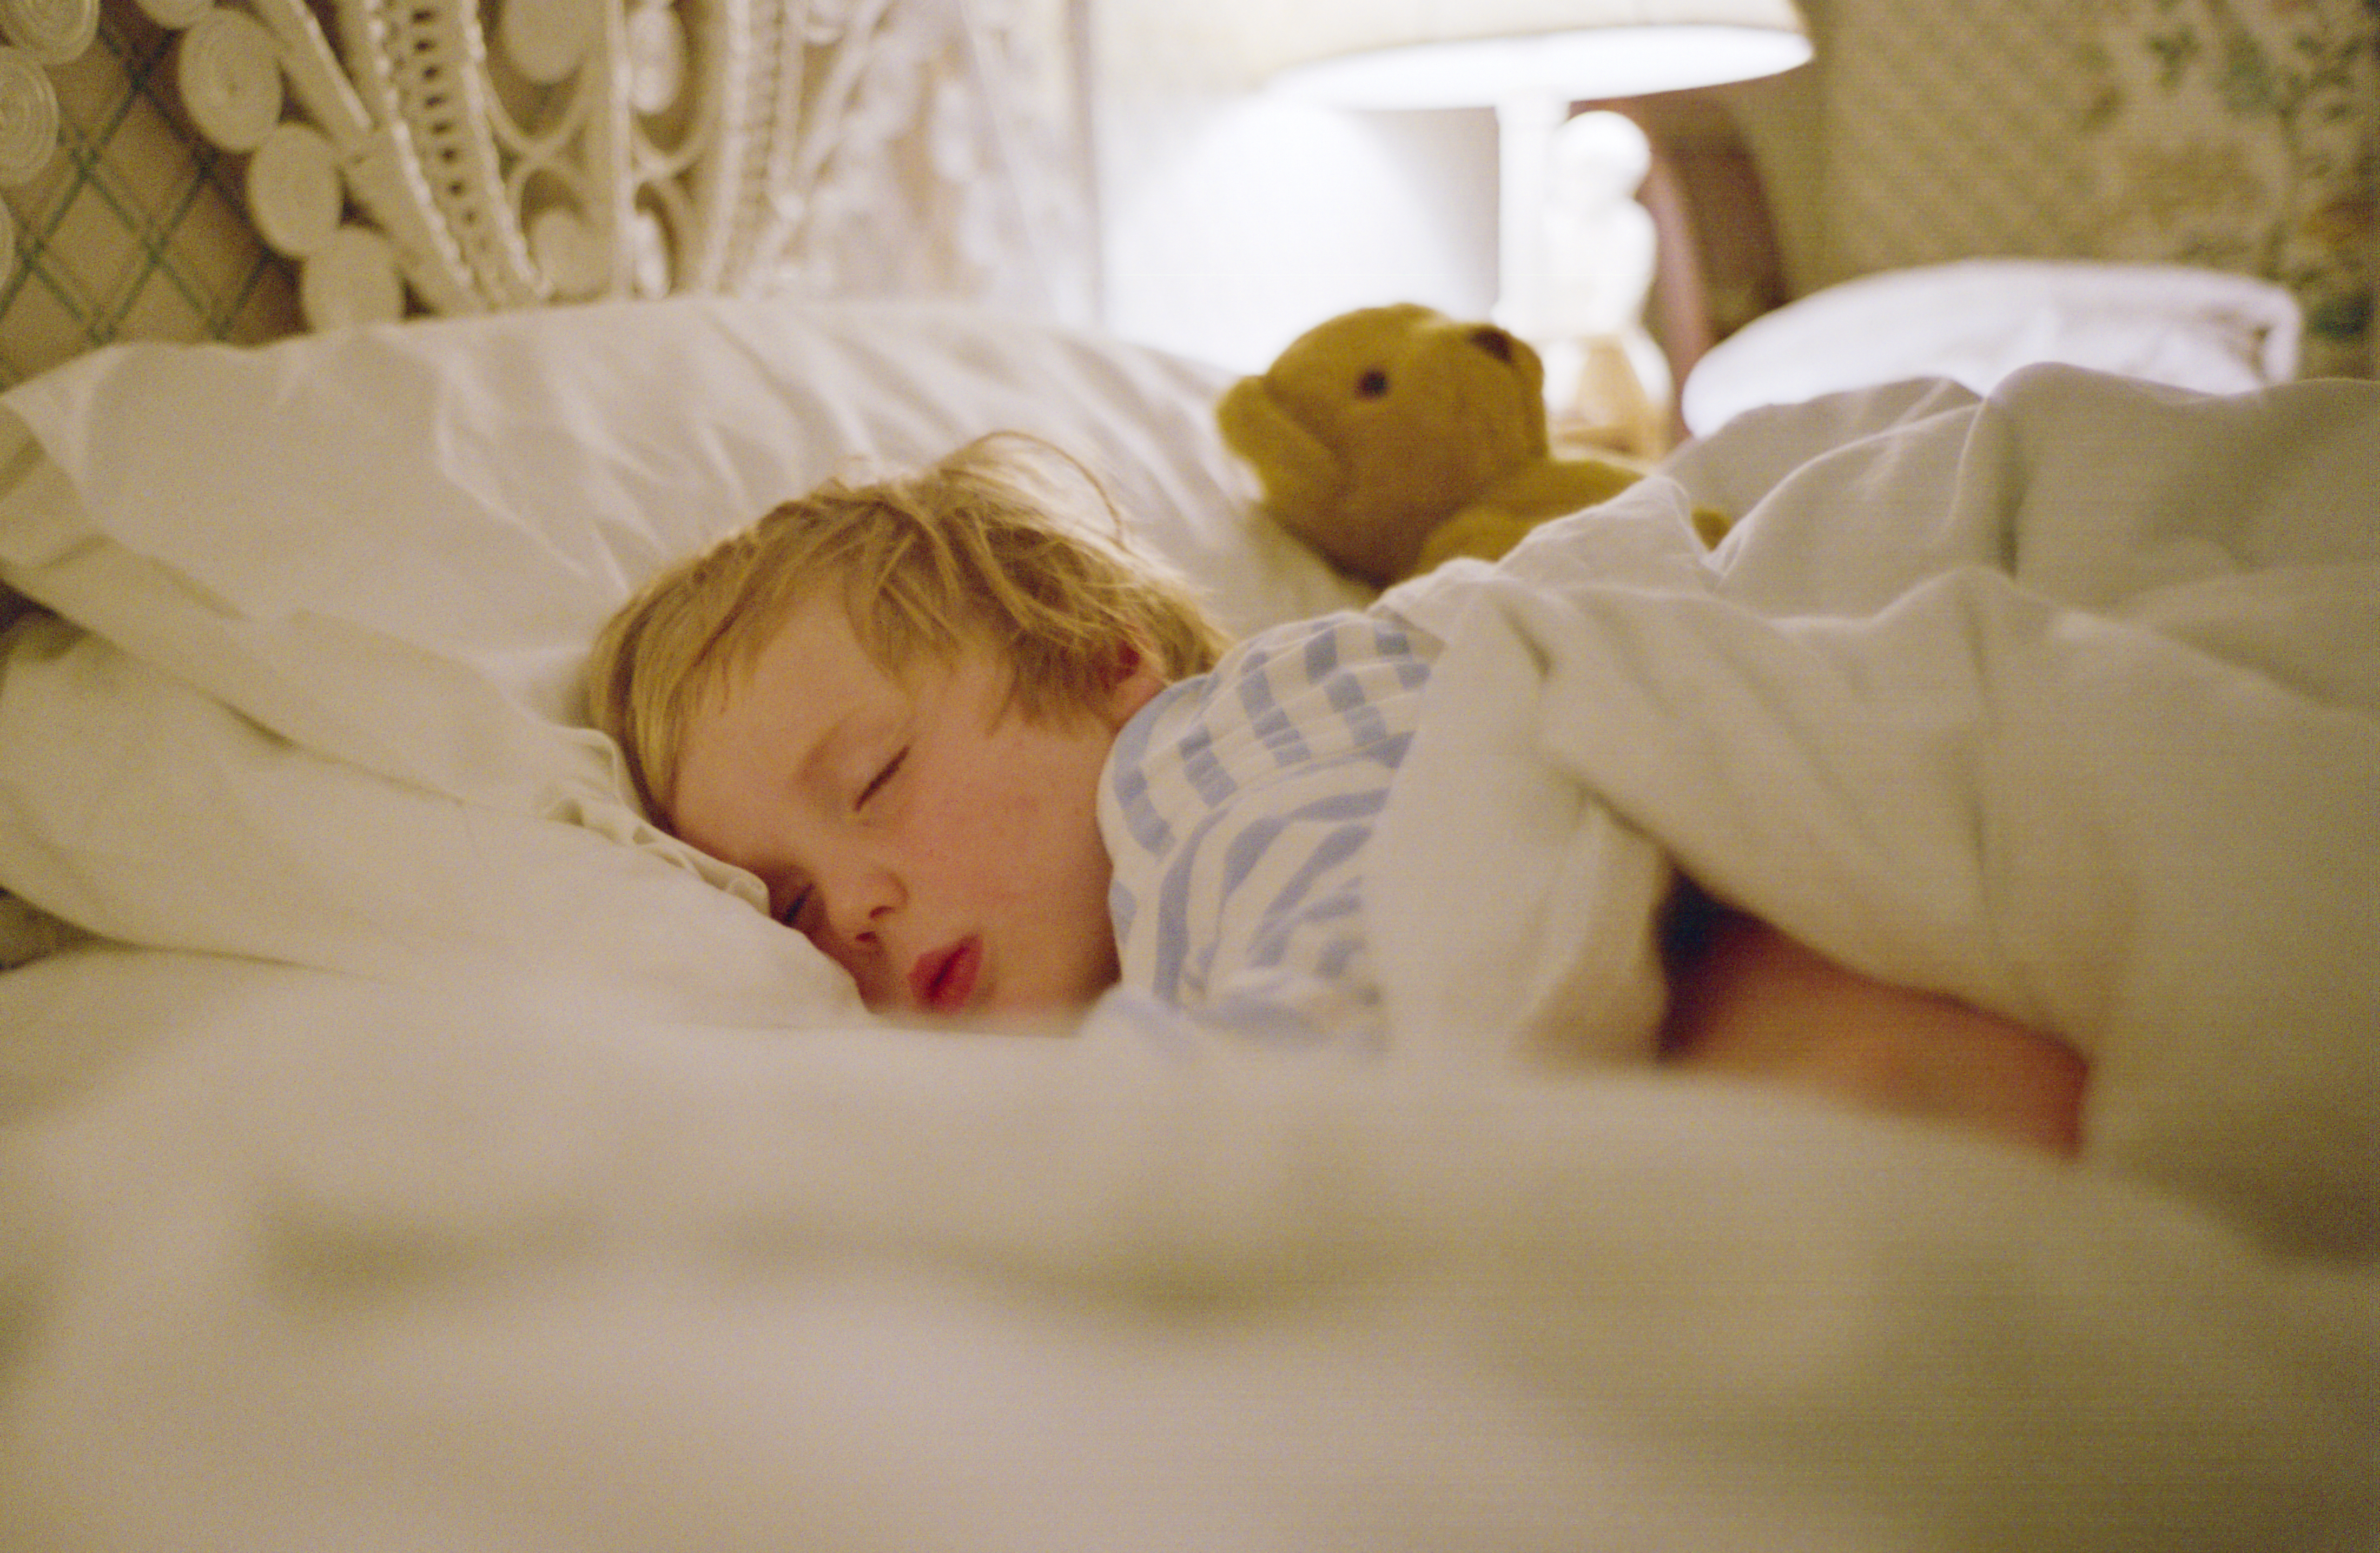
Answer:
(993, 763)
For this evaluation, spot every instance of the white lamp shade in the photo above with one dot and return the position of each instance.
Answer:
(1445, 54)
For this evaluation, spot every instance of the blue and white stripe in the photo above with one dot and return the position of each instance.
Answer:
(1238, 807)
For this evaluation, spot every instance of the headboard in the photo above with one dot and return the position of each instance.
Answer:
(240, 169)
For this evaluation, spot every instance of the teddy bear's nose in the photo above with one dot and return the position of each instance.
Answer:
(1495, 342)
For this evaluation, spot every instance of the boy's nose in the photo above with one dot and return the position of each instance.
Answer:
(858, 902)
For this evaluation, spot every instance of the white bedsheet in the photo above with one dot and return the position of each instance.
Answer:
(516, 1250)
(338, 1267)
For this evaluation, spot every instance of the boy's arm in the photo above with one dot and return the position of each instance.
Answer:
(1749, 1001)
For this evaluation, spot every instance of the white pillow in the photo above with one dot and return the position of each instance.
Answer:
(356, 575)
(1977, 320)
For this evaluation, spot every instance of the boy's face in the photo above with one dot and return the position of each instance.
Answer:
(943, 850)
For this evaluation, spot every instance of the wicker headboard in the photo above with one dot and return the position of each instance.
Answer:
(240, 169)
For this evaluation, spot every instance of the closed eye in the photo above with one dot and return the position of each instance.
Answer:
(792, 916)
(876, 783)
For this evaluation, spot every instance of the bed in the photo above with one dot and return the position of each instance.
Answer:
(408, 1146)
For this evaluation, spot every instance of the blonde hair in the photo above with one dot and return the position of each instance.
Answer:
(988, 547)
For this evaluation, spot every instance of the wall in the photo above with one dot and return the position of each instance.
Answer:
(2235, 134)
(1233, 222)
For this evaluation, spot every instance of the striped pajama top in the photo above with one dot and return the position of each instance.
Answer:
(1237, 809)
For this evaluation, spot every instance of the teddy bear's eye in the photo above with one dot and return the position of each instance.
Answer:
(1373, 385)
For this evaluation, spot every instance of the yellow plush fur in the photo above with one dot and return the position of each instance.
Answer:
(1394, 437)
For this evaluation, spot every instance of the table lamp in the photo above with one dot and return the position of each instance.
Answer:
(1529, 60)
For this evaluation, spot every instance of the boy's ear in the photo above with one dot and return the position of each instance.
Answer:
(1133, 678)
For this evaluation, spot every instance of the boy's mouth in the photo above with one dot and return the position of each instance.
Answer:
(943, 981)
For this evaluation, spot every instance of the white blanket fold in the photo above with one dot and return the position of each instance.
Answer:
(385, 1271)
(2066, 704)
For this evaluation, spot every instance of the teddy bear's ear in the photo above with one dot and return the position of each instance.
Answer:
(1301, 475)
(1531, 368)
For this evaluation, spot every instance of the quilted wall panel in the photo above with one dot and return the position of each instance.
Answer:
(128, 229)
(2236, 134)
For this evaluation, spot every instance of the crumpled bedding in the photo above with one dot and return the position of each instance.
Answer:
(531, 1254)
(2065, 703)
(341, 1265)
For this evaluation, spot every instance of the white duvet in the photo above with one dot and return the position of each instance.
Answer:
(361, 1210)
(2065, 703)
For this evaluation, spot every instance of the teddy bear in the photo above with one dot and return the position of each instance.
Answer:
(1393, 438)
